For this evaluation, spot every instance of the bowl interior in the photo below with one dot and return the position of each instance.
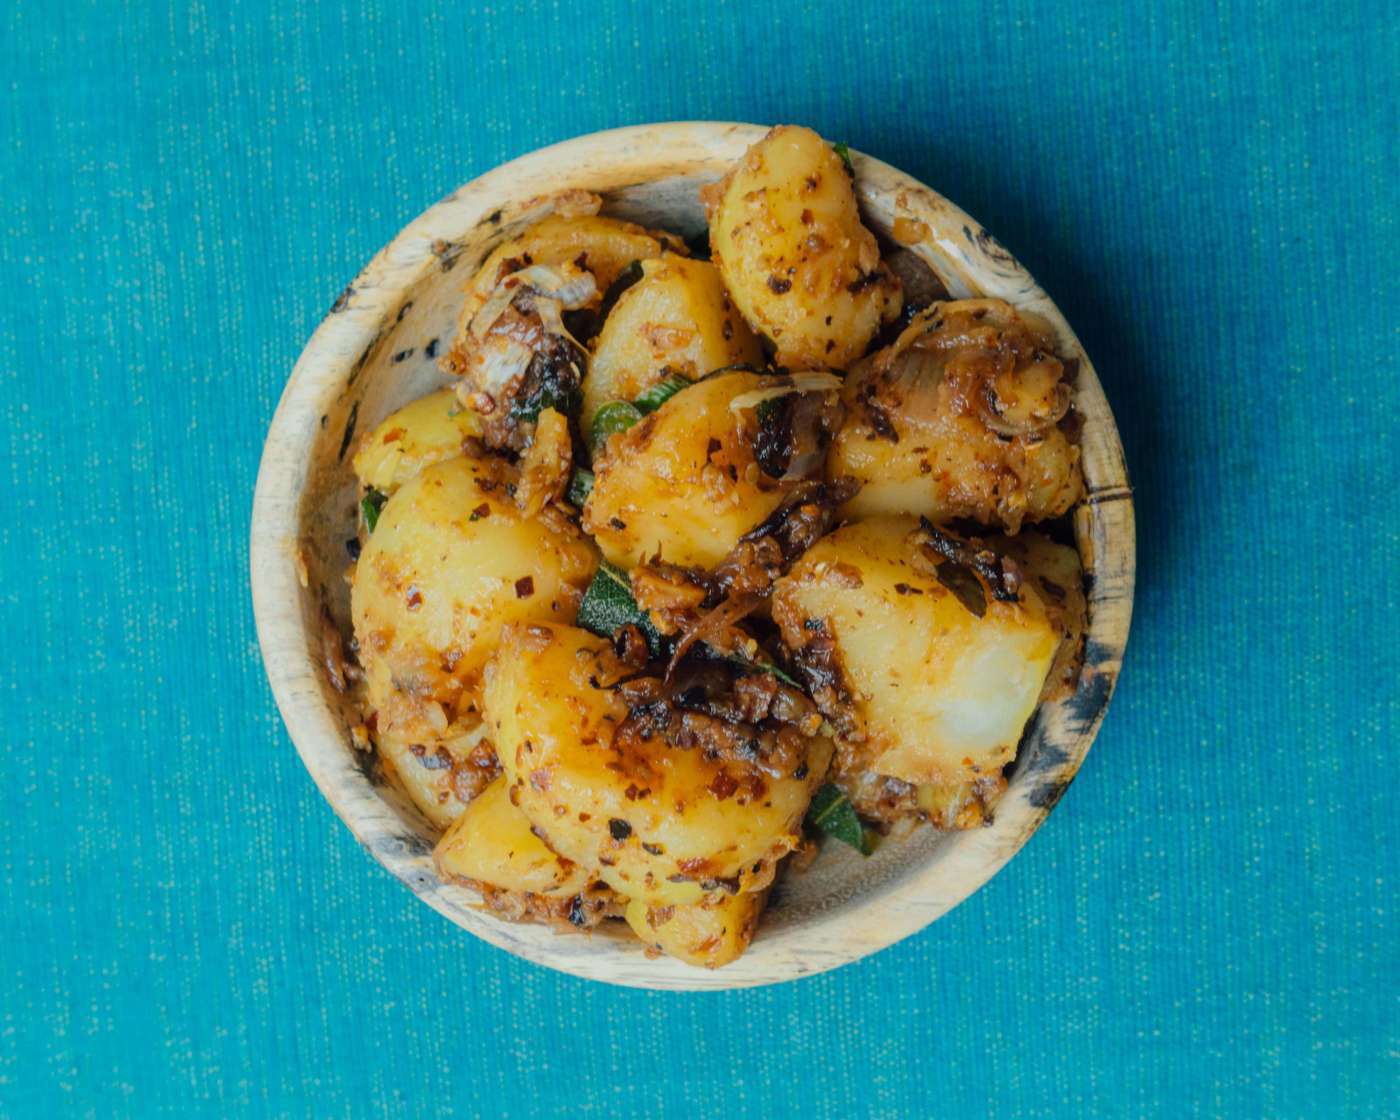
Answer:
(377, 350)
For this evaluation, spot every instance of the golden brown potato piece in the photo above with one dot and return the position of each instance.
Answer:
(602, 246)
(492, 843)
(788, 240)
(710, 933)
(427, 431)
(961, 418)
(442, 773)
(451, 561)
(936, 693)
(660, 822)
(677, 319)
(684, 483)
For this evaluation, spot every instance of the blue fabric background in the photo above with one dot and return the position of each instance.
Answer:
(1207, 924)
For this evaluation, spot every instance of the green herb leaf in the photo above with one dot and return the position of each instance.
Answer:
(845, 153)
(580, 486)
(370, 505)
(608, 606)
(563, 398)
(615, 416)
(831, 813)
(649, 400)
(962, 583)
(762, 665)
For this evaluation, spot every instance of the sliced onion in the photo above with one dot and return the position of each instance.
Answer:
(714, 628)
(499, 361)
(811, 381)
(568, 287)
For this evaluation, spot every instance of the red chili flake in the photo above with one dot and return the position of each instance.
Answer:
(524, 587)
(483, 510)
(779, 285)
(540, 779)
(415, 597)
(723, 786)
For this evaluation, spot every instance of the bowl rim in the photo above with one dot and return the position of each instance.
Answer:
(1105, 526)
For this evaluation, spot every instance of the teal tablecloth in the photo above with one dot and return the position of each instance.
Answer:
(1207, 925)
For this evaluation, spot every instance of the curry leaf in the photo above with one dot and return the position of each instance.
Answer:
(580, 486)
(608, 606)
(370, 505)
(842, 150)
(763, 665)
(831, 813)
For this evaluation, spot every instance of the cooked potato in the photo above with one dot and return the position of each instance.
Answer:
(492, 843)
(709, 933)
(940, 693)
(676, 319)
(959, 418)
(789, 243)
(684, 482)
(658, 821)
(429, 430)
(602, 246)
(441, 774)
(451, 561)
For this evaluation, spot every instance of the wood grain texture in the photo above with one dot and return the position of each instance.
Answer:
(377, 349)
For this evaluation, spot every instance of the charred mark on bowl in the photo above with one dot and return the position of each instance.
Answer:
(349, 431)
(1108, 494)
(1047, 795)
(404, 355)
(1048, 756)
(342, 301)
(447, 253)
(1089, 701)
(366, 762)
(495, 218)
(406, 843)
(403, 311)
(989, 246)
(431, 349)
(361, 361)
(1097, 654)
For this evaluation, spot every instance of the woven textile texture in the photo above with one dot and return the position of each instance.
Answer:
(1206, 926)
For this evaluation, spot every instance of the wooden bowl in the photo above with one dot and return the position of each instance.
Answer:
(376, 350)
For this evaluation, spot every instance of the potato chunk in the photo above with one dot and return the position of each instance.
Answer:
(938, 694)
(660, 822)
(684, 482)
(960, 417)
(427, 431)
(677, 319)
(492, 843)
(710, 934)
(789, 243)
(443, 773)
(452, 561)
